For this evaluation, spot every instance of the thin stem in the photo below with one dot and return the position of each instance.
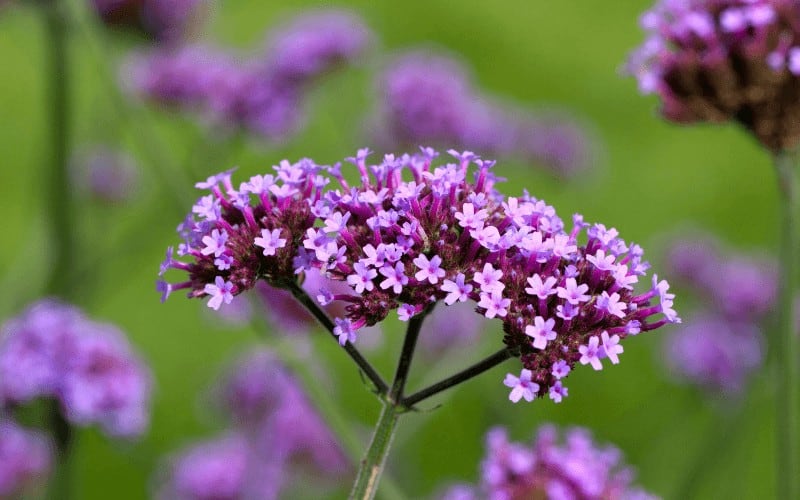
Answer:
(369, 473)
(462, 376)
(786, 341)
(381, 387)
(60, 198)
(407, 354)
(60, 486)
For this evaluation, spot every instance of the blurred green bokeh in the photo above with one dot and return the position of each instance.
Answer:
(650, 178)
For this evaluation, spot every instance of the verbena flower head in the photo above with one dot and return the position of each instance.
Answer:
(578, 468)
(162, 20)
(429, 98)
(410, 233)
(24, 456)
(53, 351)
(725, 60)
(715, 352)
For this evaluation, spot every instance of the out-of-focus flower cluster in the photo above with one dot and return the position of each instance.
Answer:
(275, 428)
(53, 351)
(263, 95)
(723, 342)
(162, 20)
(24, 456)
(402, 245)
(578, 468)
(429, 98)
(723, 60)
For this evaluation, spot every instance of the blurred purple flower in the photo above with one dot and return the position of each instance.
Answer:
(450, 328)
(315, 42)
(52, 350)
(107, 175)
(715, 352)
(225, 468)
(546, 469)
(161, 20)
(429, 98)
(267, 402)
(263, 95)
(24, 456)
(722, 61)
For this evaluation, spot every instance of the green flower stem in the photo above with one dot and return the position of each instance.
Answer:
(406, 355)
(60, 206)
(381, 387)
(59, 201)
(371, 469)
(462, 376)
(786, 337)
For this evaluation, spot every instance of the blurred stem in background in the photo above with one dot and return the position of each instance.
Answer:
(60, 205)
(785, 343)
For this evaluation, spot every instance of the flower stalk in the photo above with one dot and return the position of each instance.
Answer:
(60, 207)
(786, 346)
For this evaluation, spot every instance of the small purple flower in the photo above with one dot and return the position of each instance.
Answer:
(494, 303)
(611, 304)
(489, 279)
(560, 369)
(270, 241)
(429, 269)
(541, 289)
(220, 291)
(361, 279)
(558, 392)
(573, 293)
(521, 387)
(344, 330)
(611, 347)
(590, 353)
(457, 291)
(406, 311)
(395, 277)
(541, 331)
(215, 243)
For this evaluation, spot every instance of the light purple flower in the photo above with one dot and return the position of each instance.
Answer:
(429, 269)
(590, 353)
(270, 241)
(221, 291)
(611, 347)
(521, 387)
(395, 277)
(457, 291)
(541, 331)
(24, 457)
(344, 330)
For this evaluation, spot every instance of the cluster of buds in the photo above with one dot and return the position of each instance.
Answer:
(410, 234)
(725, 60)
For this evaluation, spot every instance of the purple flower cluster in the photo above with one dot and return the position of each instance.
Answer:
(429, 98)
(162, 20)
(410, 234)
(24, 455)
(723, 342)
(722, 60)
(53, 351)
(262, 95)
(546, 469)
(275, 427)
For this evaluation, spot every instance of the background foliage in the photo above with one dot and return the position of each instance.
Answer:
(650, 178)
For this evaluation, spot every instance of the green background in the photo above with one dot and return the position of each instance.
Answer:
(649, 179)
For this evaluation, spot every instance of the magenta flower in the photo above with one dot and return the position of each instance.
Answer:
(579, 468)
(725, 60)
